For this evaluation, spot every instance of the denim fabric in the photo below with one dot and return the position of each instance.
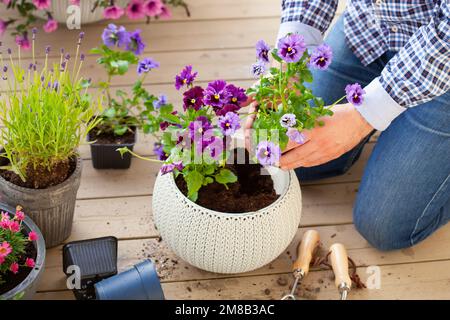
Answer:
(404, 194)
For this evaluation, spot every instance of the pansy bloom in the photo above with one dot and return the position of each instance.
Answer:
(296, 136)
(161, 101)
(186, 77)
(291, 47)
(136, 45)
(288, 120)
(147, 64)
(229, 123)
(321, 57)
(215, 94)
(262, 51)
(258, 69)
(268, 153)
(236, 95)
(355, 94)
(159, 152)
(193, 98)
(112, 36)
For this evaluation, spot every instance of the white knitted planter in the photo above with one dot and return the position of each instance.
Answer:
(227, 242)
(58, 10)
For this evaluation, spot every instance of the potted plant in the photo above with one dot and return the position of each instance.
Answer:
(46, 114)
(22, 254)
(213, 208)
(125, 113)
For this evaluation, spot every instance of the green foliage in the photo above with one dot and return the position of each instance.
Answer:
(45, 115)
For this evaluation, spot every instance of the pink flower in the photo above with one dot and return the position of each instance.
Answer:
(5, 224)
(5, 249)
(6, 2)
(153, 8)
(165, 13)
(50, 26)
(23, 42)
(2, 259)
(75, 2)
(3, 26)
(30, 263)
(113, 12)
(42, 4)
(14, 267)
(20, 216)
(135, 9)
(4, 216)
(14, 226)
(33, 236)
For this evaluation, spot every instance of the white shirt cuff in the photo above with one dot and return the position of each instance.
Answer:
(313, 37)
(378, 107)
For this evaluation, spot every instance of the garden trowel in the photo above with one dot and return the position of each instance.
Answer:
(305, 251)
(339, 263)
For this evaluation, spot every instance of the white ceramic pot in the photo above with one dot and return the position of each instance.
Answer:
(59, 11)
(227, 242)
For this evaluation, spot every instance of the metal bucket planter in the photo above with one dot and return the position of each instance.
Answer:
(59, 11)
(228, 242)
(27, 288)
(52, 209)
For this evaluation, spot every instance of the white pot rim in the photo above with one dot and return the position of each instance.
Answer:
(230, 214)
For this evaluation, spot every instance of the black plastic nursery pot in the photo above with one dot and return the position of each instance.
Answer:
(27, 288)
(52, 209)
(106, 156)
(94, 260)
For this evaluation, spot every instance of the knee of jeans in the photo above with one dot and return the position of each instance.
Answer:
(380, 231)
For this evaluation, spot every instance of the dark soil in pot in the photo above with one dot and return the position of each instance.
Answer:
(12, 280)
(40, 177)
(253, 191)
(108, 138)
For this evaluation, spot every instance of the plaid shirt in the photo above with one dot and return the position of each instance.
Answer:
(418, 29)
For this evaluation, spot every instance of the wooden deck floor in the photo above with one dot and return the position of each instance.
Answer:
(219, 41)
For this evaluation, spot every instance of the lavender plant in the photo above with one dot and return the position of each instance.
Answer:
(46, 113)
(286, 106)
(194, 142)
(124, 112)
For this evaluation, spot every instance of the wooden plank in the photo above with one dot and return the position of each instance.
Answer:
(424, 281)
(171, 268)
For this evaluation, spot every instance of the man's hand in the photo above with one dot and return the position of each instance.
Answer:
(340, 133)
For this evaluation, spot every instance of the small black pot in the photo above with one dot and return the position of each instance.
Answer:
(106, 156)
(96, 260)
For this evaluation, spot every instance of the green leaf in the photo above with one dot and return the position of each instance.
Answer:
(120, 131)
(207, 181)
(110, 113)
(170, 118)
(122, 66)
(194, 181)
(275, 55)
(123, 151)
(225, 176)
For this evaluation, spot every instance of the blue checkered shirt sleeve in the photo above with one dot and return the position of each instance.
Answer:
(421, 69)
(315, 13)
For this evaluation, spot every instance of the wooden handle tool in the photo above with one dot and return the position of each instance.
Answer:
(339, 262)
(305, 251)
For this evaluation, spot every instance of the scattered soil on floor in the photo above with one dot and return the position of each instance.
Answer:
(251, 192)
(109, 138)
(40, 177)
(12, 280)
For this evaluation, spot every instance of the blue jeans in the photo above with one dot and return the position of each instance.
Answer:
(404, 194)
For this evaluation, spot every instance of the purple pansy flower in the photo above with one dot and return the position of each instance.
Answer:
(158, 149)
(161, 101)
(193, 98)
(296, 136)
(136, 44)
(258, 69)
(145, 65)
(321, 57)
(229, 123)
(167, 168)
(215, 148)
(268, 153)
(291, 47)
(355, 94)
(227, 108)
(262, 51)
(186, 77)
(236, 95)
(112, 36)
(199, 127)
(288, 120)
(216, 95)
